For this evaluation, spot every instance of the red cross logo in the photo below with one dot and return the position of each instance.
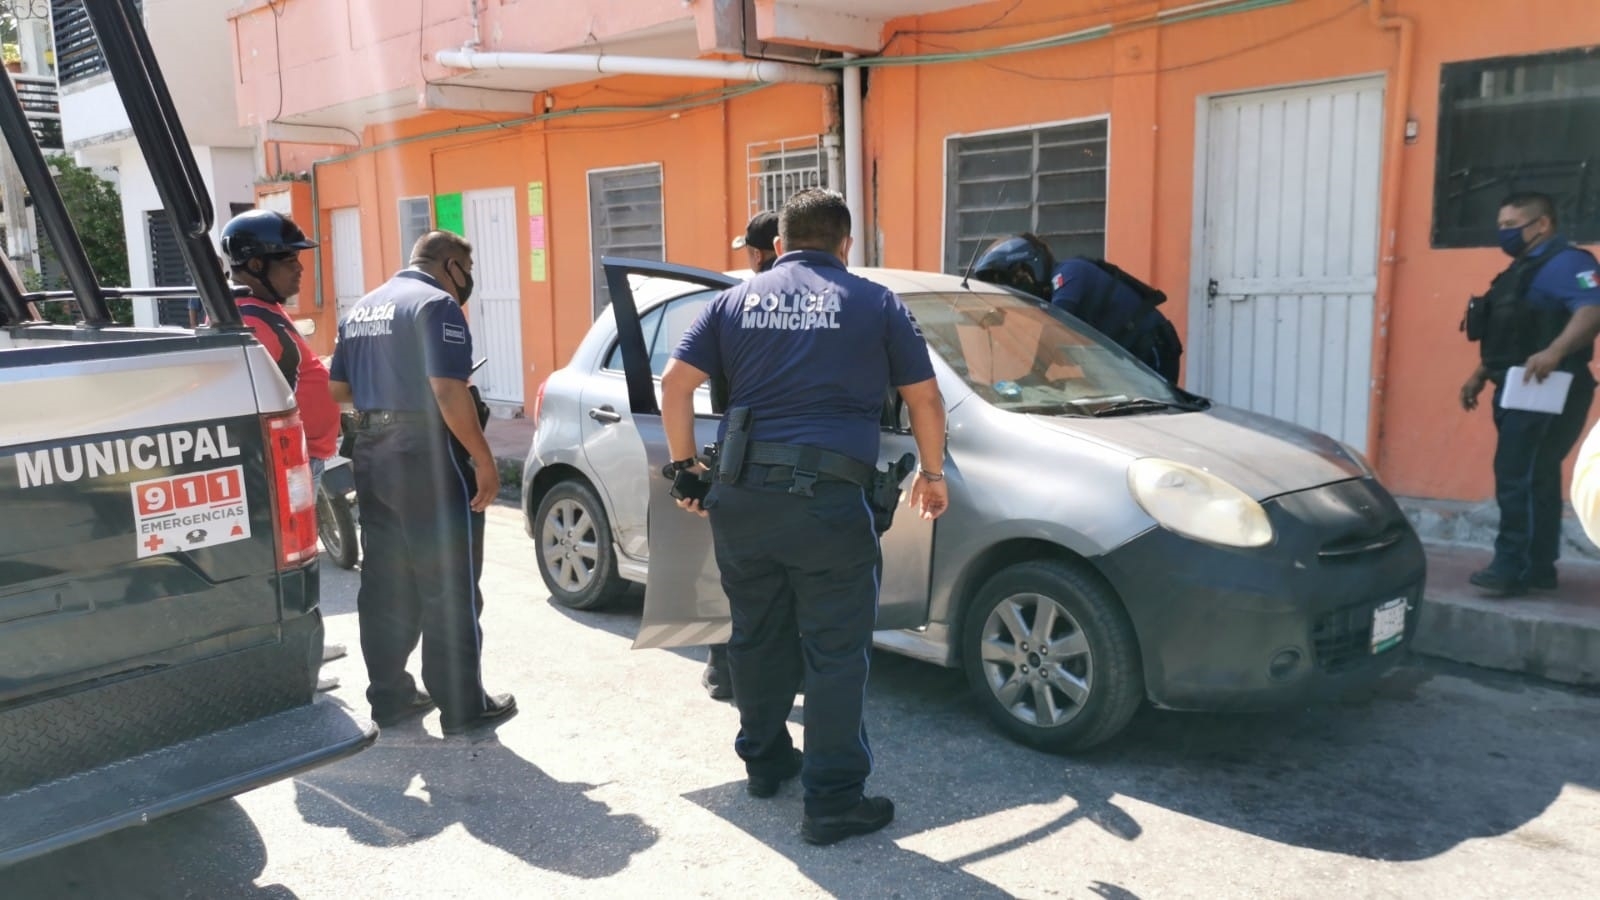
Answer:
(154, 543)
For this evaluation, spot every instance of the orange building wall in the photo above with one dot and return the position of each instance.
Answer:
(1150, 82)
(704, 186)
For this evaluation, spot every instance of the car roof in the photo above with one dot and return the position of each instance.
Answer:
(649, 291)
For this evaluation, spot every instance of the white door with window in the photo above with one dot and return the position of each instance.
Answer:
(1287, 265)
(349, 278)
(495, 311)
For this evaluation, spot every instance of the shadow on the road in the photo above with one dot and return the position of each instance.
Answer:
(210, 851)
(1436, 756)
(411, 786)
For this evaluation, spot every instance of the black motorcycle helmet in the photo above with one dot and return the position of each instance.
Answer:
(261, 234)
(1021, 261)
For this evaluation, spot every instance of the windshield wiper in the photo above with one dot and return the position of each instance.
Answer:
(1059, 408)
(1143, 404)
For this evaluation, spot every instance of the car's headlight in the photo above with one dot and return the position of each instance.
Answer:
(1197, 504)
(1361, 460)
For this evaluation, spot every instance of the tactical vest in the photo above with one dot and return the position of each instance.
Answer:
(1508, 328)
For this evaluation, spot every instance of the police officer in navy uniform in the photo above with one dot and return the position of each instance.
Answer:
(1104, 297)
(424, 475)
(808, 353)
(1541, 313)
(758, 243)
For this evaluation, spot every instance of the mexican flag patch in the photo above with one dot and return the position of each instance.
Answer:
(1588, 280)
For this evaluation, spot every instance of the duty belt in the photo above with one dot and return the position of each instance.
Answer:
(805, 465)
(369, 418)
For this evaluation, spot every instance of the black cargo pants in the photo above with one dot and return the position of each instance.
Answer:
(801, 575)
(421, 555)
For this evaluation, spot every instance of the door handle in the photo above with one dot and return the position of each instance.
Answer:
(605, 415)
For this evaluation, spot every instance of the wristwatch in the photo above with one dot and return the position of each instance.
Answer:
(671, 469)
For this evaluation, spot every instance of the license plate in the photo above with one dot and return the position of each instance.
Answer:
(1388, 625)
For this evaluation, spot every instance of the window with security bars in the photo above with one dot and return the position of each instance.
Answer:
(781, 169)
(1523, 123)
(416, 220)
(1050, 181)
(624, 220)
(77, 51)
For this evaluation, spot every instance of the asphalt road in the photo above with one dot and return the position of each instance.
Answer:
(618, 780)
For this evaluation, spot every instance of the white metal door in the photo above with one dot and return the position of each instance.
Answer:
(349, 278)
(1288, 264)
(495, 311)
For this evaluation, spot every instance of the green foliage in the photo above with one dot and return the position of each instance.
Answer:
(96, 211)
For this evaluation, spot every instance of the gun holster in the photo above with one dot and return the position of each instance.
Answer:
(735, 441)
(482, 407)
(883, 495)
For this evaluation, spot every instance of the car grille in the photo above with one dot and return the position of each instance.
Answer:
(1343, 637)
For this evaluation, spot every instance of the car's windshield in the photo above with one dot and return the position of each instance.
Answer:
(1024, 356)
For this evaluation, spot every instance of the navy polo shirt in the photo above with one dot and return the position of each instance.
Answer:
(1568, 282)
(812, 350)
(396, 338)
(1078, 280)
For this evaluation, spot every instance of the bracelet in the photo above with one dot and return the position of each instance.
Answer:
(930, 476)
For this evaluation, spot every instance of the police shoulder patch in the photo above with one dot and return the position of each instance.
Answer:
(1588, 280)
(1058, 281)
(454, 334)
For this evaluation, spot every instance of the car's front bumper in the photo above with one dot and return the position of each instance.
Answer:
(1226, 628)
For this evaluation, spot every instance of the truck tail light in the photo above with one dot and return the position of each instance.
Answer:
(294, 500)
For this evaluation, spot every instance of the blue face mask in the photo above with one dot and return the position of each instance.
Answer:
(1512, 241)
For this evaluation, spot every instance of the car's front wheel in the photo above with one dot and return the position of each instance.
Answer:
(1051, 656)
(576, 557)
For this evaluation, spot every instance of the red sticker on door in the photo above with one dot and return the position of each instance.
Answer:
(187, 512)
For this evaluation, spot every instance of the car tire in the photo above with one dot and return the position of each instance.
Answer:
(572, 537)
(1079, 689)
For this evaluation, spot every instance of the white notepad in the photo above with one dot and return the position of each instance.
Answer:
(1549, 396)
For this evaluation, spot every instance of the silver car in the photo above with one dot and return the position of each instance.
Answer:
(1109, 539)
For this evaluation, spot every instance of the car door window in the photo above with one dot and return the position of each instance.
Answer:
(663, 328)
(648, 323)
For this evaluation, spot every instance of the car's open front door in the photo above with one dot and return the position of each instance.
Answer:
(683, 600)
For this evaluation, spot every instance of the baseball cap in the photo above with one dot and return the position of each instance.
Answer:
(760, 233)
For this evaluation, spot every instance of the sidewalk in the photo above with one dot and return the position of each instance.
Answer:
(1552, 635)
(509, 440)
(1549, 635)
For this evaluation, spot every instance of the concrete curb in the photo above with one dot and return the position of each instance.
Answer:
(510, 477)
(1555, 635)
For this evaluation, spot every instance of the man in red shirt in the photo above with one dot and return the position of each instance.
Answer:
(263, 249)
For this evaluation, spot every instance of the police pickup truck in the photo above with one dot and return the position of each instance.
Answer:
(159, 626)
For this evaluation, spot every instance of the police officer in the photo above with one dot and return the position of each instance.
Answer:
(1104, 297)
(1541, 313)
(424, 474)
(757, 242)
(263, 250)
(808, 352)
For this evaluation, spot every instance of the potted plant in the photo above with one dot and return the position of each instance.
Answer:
(11, 54)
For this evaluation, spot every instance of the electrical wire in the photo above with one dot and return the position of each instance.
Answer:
(1193, 64)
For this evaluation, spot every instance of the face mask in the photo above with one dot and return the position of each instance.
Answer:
(463, 288)
(1512, 241)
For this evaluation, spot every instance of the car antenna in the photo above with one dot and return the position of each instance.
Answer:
(978, 250)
